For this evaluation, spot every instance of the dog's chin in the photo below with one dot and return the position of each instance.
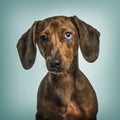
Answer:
(56, 71)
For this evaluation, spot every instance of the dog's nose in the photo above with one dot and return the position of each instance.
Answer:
(55, 63)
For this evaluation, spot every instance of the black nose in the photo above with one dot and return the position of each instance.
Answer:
(55, 63)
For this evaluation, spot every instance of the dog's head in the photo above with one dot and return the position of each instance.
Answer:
(58, 39)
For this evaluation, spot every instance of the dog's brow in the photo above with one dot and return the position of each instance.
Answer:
(54, 24)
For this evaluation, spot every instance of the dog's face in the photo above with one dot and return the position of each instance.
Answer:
(58, 39)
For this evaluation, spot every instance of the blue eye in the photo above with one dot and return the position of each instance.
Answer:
(68, 35)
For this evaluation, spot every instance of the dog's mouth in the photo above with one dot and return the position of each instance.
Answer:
(56, 71)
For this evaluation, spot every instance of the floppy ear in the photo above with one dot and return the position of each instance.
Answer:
(26, 47)
(89, 39)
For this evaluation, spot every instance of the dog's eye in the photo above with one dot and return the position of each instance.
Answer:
(43, 38)
(68, 35)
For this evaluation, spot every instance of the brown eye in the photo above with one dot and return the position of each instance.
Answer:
(68, 35)
(43, 38)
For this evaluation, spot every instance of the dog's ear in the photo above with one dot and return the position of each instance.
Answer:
(27, 48)
(89, 39)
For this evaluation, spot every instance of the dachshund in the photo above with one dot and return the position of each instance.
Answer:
(64, 93)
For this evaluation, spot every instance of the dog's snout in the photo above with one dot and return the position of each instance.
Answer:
(55, 63)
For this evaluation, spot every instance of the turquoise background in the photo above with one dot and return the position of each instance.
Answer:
(18, 87)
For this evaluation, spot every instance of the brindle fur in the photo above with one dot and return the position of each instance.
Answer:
(66, 94)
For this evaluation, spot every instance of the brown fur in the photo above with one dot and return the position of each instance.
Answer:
(64, 93)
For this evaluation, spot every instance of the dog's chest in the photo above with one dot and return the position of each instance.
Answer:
(69, 107)
(64, 92)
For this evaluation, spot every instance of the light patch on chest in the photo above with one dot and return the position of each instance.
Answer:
(73, 109)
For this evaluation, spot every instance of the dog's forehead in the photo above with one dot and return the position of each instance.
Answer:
(54, 24)
(57, 22)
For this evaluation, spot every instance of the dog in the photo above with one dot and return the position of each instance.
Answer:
(64, 93)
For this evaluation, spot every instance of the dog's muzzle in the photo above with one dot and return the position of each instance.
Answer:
(55, 65)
